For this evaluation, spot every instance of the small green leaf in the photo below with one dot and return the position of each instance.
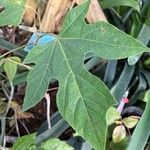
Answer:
(119, 134)
(55, 144)
(112, 115)
(10, 66)
(25, 142)
(12, 13)
(131, 121)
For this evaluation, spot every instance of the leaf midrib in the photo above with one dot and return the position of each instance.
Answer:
(71, 72)
(90, 40)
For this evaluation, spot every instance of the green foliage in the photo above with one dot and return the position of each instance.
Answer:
(12, 13)
(55, 144)
(144, 37)
(121, 145)
(9, 46)
(25, 143)
(10, 66)
(115, 3)
(121, 85)
(28, 143)
(112, 115)
(82, 98)
(142, 130)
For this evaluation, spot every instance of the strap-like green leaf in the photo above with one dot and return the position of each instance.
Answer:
(119, 89)
(144, 37)
(115, 3)
(9, 46)
(142, 130)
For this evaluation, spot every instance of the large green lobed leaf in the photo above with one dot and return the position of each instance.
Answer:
(12, 13)
(82, 99)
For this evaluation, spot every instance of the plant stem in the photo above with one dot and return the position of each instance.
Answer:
(23, 124)
(47, 97)
(4, 117)
(17, 127)
(3, 123)
(18, 63)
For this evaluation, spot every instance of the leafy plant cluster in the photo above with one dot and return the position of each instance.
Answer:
(96, 66)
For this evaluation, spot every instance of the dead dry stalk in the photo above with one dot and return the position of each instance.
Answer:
(53, 16)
